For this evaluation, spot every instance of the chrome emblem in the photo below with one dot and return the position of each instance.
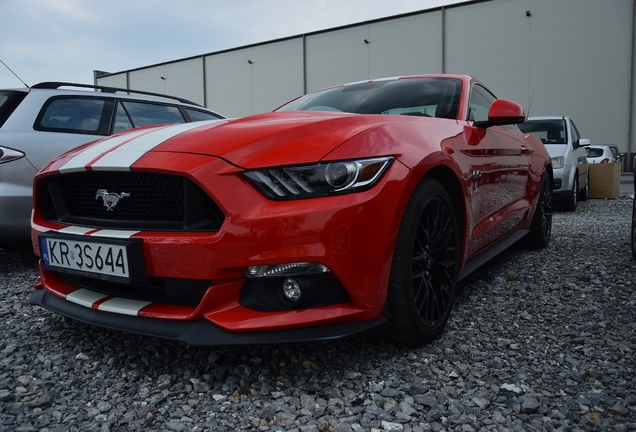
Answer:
(110, 199)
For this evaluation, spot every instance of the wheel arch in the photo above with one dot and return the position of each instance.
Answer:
(548, 169)
(449, 180)
(426, 261)
(569, 177)
(451, 183)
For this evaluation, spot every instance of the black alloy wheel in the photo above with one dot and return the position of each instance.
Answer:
(425, 266)
(633, 239)
(633, 236)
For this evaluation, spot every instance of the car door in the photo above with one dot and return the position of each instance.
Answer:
(498, 203)
(580, 154)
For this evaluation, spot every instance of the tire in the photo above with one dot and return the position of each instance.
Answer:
(585, 192)
(425, 264)
(633, 236)
(570, 203)
(541, 227)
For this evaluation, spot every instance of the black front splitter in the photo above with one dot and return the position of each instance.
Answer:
(196, 333)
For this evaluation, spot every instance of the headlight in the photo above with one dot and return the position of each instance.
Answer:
(7, 154)
(558, 162)
(323, 179)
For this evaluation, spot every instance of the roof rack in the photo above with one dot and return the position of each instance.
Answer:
(56, 85)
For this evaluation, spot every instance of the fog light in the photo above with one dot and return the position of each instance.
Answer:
(291, 289)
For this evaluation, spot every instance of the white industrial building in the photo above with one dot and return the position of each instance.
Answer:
(569, 57)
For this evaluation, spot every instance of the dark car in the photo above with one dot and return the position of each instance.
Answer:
(633, 233)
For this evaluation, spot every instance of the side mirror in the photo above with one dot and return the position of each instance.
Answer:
(503, 112)
(582, 142)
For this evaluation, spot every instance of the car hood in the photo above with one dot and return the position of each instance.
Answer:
(263, 140)
(279, 138)
(556, 150)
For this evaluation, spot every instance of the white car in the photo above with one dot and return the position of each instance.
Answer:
(569, 159)
(600, 154)
(39, 123)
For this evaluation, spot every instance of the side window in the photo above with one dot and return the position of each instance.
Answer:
(122, 121)
(145, 114)
(196, 115)
(74, 115)
(480, 101)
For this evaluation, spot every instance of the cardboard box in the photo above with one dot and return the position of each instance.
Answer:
(605, 180)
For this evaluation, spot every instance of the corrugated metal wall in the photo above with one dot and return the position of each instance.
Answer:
(571, 57)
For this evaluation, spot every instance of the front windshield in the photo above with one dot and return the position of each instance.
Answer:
(426, 97)
(549, 131)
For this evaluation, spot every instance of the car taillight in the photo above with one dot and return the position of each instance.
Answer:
(606, 160)
(8, 154)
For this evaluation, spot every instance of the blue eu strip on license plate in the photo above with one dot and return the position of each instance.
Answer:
(95, 259)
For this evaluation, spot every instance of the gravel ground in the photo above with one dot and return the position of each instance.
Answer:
(538, 341)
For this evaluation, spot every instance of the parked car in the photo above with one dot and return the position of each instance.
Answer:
(348, 208)
(615, 152)
(569, 159)
(600, 154)
(633, 231)
(39, 123)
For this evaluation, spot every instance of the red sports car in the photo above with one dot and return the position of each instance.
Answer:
(348, 208)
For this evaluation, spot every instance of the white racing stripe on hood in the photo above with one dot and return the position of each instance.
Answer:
(79, 162)
(121, 158)
(119, 153)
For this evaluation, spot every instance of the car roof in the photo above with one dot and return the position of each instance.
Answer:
(75, 88)
(67, 88)
(20, 89)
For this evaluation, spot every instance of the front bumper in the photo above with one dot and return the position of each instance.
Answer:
(561, 184)
(352, 235)
(15, 216)
(198, 332)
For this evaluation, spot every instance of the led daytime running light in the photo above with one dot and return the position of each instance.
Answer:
(287, 269)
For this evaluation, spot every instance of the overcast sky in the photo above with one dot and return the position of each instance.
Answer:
(65, 40)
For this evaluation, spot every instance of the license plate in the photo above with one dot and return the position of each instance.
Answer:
(106, 260)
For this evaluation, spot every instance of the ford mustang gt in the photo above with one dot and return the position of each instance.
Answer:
(357, 206)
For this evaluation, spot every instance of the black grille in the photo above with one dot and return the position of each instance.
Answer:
(137, 201)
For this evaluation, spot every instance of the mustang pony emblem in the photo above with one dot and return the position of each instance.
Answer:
(110, 199)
